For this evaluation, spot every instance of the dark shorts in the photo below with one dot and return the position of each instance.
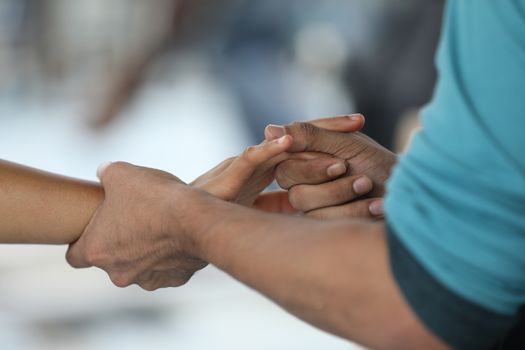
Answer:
(457, 321)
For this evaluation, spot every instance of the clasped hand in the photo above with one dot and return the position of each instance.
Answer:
(145, 230)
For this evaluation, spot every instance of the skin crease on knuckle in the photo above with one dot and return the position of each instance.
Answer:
(304, 131)
(250, 155)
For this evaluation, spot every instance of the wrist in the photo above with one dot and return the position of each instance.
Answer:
(192, 215)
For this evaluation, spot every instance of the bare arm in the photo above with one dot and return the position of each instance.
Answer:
(44, 208)
(332, 274)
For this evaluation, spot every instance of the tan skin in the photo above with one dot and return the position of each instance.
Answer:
(158, 240)
(43, 208)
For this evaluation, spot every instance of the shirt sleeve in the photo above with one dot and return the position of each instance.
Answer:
(455, 203)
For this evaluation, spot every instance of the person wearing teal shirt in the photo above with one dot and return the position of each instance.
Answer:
(446, 270)
(456, 201)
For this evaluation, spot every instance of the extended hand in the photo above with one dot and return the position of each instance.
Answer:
(241, 179)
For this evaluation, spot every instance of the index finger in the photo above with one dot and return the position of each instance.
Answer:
(267, 155)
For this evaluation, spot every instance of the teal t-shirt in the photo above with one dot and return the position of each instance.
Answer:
(456, 200)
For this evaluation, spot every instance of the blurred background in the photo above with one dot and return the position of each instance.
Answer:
(181, 85)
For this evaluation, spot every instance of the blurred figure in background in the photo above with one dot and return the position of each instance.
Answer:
(283, 60)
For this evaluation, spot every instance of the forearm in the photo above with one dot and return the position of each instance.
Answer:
(43, 208)
(334, 275)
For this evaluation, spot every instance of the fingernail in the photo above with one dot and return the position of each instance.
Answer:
(276, 131)
(356, 117)
(101, 168)
(376, 208)
(362, 185)
(281, 140)
(336, 169)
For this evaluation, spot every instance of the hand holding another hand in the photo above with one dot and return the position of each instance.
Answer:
(132, 236)
(139, 234)
(368, 167)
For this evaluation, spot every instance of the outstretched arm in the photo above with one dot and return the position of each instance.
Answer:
(43, 208)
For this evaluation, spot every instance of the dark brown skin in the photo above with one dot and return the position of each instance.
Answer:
(153, 230)
(333, 274)
(328, 199)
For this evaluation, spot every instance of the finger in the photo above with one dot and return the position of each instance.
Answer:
(255, 156)
(345, 123)
(274, 202)
(217, 170)
(377, 208)
(293, 172)
(308, 137)
(357, 209)
(309, 197)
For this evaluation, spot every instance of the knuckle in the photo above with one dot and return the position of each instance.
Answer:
(249, 154)
(71, 259)
(296, 198)
(303, 129)
(150, 287)
(120, 280)
(179, 281)
(95, 257)
(228, 160)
